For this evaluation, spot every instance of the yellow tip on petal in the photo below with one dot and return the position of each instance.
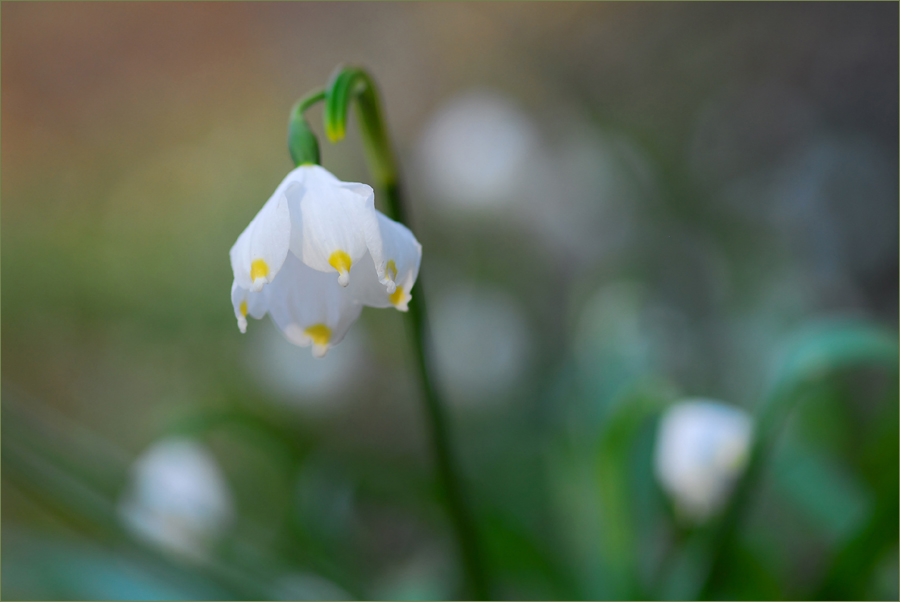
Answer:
(340, 261)
(243, 308)
(390, 271)
(258, 269)
(319, 334)
(399, 299)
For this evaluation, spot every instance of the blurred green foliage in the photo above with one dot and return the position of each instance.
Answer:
(709, 193)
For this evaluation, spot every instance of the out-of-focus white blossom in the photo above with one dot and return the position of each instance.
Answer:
(177, 498)
(475, 148)
(313, 227)
(701, 449)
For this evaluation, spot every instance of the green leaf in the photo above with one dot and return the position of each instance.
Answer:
(824, 348)
(817, 351)
(616, 484)
(831, 499)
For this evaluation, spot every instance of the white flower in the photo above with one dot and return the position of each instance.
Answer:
(475, 149)
(701, 449)
(313, 227)
(178, 498)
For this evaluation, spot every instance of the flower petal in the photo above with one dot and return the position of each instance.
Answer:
(261, 248)
(402, 255)
(701, 449)
(310, 307)
(338, 222)
(247, 302)
(365, 287)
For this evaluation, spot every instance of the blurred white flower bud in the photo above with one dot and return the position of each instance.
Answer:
(475, 150)
(701, 449)
(177, 498)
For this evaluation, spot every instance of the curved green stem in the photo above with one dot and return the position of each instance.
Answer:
(465, 528)
(350, 84)
(353, 84)
(309, 100)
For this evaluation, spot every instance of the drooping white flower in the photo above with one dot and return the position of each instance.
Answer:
(327, 223)
(313, 226)
(177, 498)
(701, 449)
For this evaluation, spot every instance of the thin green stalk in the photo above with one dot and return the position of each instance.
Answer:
(447, 469)
(309, 100)
(350, 84)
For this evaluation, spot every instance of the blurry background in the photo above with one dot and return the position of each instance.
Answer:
(621, 205)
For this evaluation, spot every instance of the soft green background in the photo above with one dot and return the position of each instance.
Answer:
(719, 220)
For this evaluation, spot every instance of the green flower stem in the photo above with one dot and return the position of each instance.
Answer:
(465, 528)
(317, 95)
(347, 85)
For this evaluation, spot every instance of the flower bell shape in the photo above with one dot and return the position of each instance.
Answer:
(178, 499)
(313, 228)
(328, 224)
(701, 449)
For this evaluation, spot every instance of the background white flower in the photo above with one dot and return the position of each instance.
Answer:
(701, 449)
(474, 148)
(177, 499)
